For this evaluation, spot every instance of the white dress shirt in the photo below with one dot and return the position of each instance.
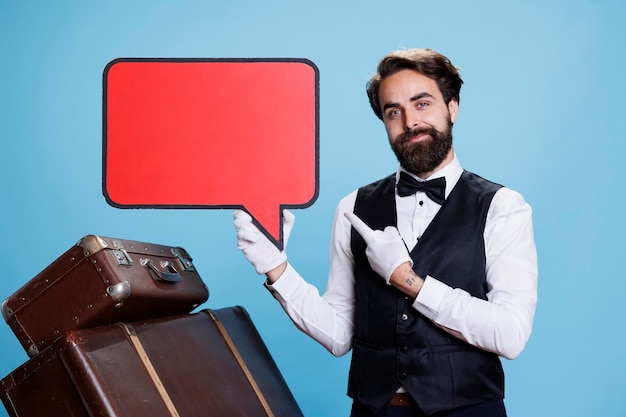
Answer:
(501, 324)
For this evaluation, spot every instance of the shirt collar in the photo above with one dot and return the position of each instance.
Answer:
(452, 172)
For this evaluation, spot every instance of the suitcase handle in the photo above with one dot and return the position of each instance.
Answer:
(159, 275)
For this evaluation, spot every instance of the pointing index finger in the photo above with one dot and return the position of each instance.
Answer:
(360, 226)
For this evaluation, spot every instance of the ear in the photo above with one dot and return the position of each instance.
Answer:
(453, 108)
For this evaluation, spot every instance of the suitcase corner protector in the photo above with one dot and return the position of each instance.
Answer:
(92, 244)
(7, 312)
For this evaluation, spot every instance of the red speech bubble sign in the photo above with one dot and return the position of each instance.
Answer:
(212, 133)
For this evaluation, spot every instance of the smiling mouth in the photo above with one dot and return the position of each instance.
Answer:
(418, 137)
(415, 136)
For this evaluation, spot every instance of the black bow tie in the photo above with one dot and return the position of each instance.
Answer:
(434, 189)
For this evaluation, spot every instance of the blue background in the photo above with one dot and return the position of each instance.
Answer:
(541, 111)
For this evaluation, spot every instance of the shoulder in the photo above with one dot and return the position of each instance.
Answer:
(347, 203)
(508, 200)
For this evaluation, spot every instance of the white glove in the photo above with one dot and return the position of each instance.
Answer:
(385, 249)
(258, 249)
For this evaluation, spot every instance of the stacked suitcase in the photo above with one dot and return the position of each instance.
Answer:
(110, 332)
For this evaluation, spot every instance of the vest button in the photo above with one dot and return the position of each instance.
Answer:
(402, 375)
(404, 317)
(404, 349)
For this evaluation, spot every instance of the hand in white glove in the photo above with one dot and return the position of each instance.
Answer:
(385, 251)
(258, 249)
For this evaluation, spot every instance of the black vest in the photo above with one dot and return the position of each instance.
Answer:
(394, 345)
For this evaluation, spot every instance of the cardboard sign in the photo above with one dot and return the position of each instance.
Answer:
(212, 134)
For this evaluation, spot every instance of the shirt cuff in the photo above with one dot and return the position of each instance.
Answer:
(286, 285)
(430, 297)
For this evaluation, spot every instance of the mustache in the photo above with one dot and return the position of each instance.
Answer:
(410, 134)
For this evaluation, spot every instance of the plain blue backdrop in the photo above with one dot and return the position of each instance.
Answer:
(541, 111)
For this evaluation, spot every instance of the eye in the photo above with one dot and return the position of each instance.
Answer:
(421, 105)
(393, 113)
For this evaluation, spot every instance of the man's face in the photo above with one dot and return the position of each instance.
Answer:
(417, 120)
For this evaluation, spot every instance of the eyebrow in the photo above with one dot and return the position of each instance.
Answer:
(390, 106)
(412, 99)
(420, 96)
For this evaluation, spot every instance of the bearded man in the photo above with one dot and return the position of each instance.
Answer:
(433, 269)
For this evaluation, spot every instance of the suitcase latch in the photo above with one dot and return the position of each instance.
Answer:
(184, 259)
(121, 256)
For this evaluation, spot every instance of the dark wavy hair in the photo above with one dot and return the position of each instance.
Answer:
(425, 61)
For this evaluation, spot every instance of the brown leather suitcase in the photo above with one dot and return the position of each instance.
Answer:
(100, 281)
(205, 364)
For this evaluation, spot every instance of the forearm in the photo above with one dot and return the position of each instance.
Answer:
(326, 319)
(406, 280)
(495, 328)
(501, 325)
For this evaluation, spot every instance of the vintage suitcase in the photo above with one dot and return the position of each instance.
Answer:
(205, 364)
(100, 281)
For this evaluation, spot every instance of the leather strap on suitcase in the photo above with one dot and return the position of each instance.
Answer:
(150, 368)
(241, 362)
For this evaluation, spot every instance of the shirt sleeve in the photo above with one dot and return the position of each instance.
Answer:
(328, 318)
(501, 324)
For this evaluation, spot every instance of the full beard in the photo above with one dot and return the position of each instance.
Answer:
(426, 155)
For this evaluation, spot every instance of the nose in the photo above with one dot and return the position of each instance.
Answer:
(411, 119)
